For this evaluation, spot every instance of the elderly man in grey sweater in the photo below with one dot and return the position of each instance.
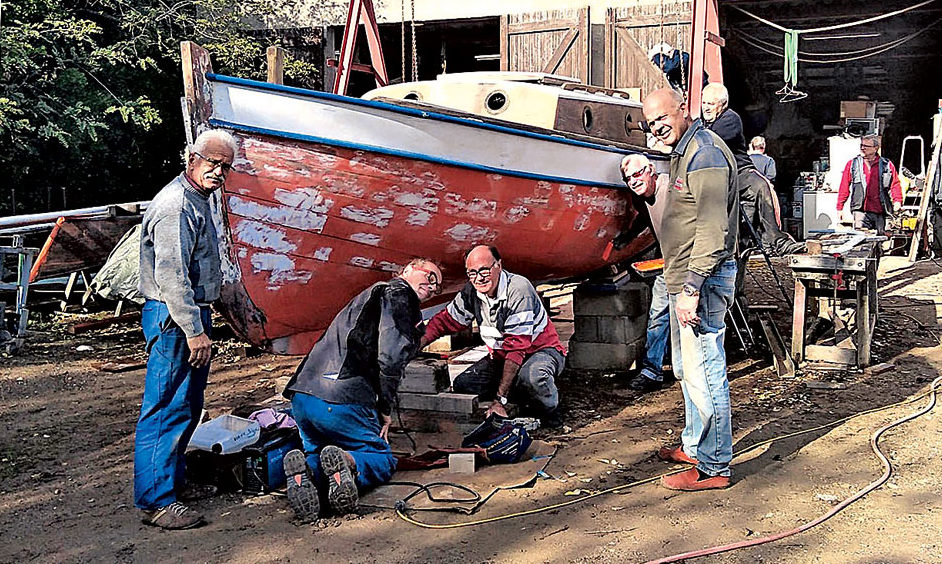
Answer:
(180, 277)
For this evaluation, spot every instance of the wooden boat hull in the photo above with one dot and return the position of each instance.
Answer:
(322, 205)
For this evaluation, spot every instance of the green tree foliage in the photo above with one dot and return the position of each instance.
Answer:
(90, 89)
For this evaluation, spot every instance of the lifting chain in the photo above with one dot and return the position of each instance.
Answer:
(415, 61)
(402, 42)
(680, 47)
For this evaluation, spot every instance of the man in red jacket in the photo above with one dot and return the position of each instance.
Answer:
(872, 186)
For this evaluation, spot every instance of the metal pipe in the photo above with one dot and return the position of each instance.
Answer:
(31, 219)
(26, 229)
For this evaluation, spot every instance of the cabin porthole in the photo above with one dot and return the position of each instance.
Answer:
(414, 96)
(496, 102)
(587, 119)
(629, 124)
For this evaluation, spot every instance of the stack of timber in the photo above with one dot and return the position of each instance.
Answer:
(610, 326)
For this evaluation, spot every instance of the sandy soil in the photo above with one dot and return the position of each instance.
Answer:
(66, 436)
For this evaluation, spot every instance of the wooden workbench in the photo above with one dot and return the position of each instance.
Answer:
(847, 275)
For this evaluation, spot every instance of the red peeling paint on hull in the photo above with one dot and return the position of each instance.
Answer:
(309, 226)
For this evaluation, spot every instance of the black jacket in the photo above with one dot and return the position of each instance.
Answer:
(361, 357)
(729, 127)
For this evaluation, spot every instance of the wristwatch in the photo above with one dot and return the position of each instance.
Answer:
(502, 400)
(690, 291)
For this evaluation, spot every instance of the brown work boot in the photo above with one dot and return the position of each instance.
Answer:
(339, 468)
(675, 454)
(694, 480)
(173, 516)
(301, 491)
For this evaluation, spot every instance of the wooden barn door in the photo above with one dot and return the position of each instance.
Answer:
(630, 32)
(555, 42)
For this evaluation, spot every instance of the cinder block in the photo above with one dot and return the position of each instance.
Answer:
(425, 377)
(630, 300)
(603, 356)
(585, 328)
(461, 463)
(446, 402)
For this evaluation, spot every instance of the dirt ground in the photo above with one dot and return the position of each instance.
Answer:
(66, 438)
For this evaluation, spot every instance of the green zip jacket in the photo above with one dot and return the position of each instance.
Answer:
(701, 219)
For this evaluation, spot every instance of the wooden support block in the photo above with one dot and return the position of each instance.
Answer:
(446, 402)
(820, 385)
(880, 368)
(461, 463)
(814, 247)
(80, 328)
(121, 366)
(425, 377)
(835, 355)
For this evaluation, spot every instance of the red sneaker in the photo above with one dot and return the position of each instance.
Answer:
(692, 481)
(675, 454)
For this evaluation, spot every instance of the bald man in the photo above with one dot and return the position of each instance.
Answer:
(755, 190)
(698, 240)
(525, 353)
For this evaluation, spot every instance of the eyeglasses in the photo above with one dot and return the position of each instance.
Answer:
(222, 165)
(636, 174)
(431, 279)
(484, 273)
(862, 146)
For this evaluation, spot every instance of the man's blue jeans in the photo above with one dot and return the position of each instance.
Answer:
(354, 428)
(659, 330)
(170, 409)
(699, 361)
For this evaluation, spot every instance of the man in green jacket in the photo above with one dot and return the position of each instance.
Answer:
(698, 241)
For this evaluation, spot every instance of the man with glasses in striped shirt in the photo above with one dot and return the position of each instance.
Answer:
(526, 355)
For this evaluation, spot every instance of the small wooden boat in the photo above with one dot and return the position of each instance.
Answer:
(330, 194)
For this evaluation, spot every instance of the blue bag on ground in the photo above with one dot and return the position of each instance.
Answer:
(503, 441)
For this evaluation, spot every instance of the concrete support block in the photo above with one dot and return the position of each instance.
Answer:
(446, 402)
(425, 377)
(461, 463)
(630, 300)
(604, 356)
(609, 329)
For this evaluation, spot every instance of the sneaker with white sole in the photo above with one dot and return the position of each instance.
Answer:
(302, 494)
(342, 495)
(174, 516)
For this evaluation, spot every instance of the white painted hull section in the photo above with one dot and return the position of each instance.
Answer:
(351, 122)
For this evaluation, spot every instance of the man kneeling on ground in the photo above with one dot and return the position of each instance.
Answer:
(343, 392)
(526, 355)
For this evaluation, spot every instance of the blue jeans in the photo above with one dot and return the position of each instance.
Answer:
(659, 329)
(354, 428)
(699, 361)
(535, 385)
(170, 409)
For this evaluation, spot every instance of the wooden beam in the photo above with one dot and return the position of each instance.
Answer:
(561, 51)
(276, 64)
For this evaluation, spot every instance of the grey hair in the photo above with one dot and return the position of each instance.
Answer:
(210, 135)
(757, 143)
(636, 158)
(872, 137)
(722, 93)
(419, 263)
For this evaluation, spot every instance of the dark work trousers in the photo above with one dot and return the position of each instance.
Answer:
(755, 196)
(535, 386)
